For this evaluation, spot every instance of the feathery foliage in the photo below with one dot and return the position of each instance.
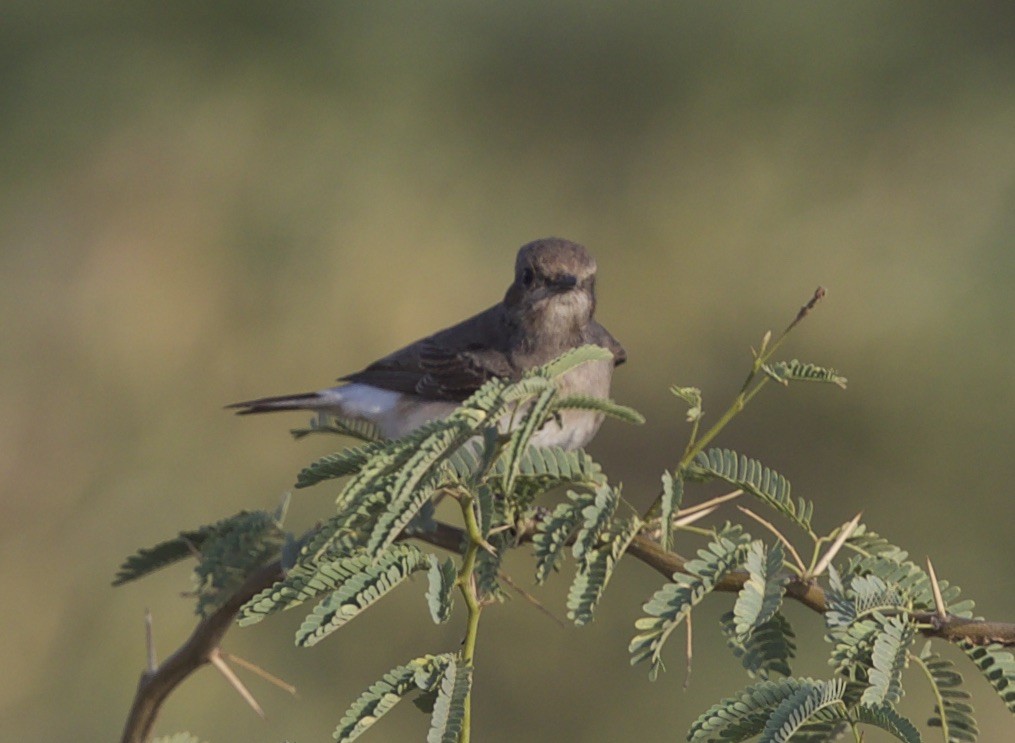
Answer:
(553, 532)
(997, 666)
(600, 405)
(761, 596)
(420, 674)
(857, 617)
(360, 590)
(596, 518)
(755, 478)
(888, 660)
(802, 707)
(533, 420)
(539, 470)
(415, 482)
(441, 578)
(232, 553)
(747, 714)
(302, 583)
(449, 707)
(189, 543)
(673, 496)
(785, 372)
(570, 359)
(340, 464)
(673, 602)
(487, 570)
(768, 649)
(596, 568)
(953, 713)
(888, 719)
(149, 559)
(335, 424)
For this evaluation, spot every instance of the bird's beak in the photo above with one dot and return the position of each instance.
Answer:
(563, 283)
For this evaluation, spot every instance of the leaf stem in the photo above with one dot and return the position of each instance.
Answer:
(945, 732)
(765, 352)
(467, 585)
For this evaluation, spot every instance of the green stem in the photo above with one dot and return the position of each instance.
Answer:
(945, 732)
(746, 394)
(467, 585)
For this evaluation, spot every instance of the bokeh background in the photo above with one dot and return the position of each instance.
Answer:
(207, 202)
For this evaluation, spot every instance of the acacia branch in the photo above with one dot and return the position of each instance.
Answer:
(808, 593)
(156, 685)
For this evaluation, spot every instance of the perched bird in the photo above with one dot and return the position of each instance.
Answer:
(546, 311)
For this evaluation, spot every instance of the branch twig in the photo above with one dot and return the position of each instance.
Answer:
(156, 685)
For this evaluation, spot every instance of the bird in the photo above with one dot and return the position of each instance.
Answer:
(548, 309)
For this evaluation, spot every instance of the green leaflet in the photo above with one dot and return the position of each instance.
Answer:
(539, 469)
(362, 589)
(189, 544)
(230, 554)
(596, 518)
(596, 569)
(570, 359)
(761, 596)
(414, 483)
(487, 511)
(553, 532)
(793, 709)
(422, 674)
(533, 420)
(851, 654)
(302, 583)
(673, 602)
(910, 581)
(334, 424)
(952, 713)
(785, 372)
(888, 659)
(487, 572)
(800, 708)
(743, 716)
(343, 533)
(346, 462)
(869, 543)
(673, 496)
(881, 560)
(856, 618)
(449, 707)
(149, 559)
(885, 717)
(601, 405)
(755, 478)
(997, 666)
(768, 649)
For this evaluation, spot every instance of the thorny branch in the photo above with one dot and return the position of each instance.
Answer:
(157, 684)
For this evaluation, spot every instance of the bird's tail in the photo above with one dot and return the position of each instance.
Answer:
(302, 401)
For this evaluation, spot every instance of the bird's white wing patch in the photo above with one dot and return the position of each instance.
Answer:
(361, 400)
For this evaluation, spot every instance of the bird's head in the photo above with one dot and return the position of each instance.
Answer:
(554, 287)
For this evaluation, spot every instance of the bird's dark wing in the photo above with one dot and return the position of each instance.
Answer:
(602, 337)
(448, 365)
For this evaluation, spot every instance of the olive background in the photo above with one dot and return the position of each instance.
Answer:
(201, 203)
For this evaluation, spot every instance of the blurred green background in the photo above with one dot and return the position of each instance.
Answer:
(204, 203)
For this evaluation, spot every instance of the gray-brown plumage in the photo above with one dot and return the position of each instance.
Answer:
(548, 309)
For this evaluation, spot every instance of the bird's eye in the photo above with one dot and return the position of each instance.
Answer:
(528, 276)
